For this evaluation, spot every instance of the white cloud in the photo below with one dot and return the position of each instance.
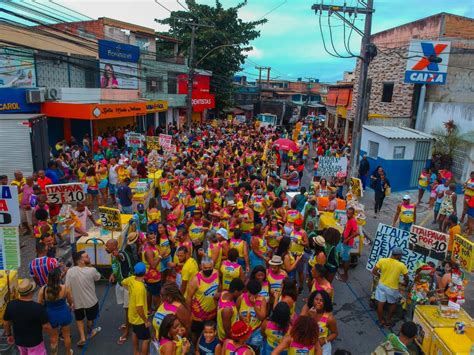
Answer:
(255, 53)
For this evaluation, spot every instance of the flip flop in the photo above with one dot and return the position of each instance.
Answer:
(339, 278)
(122, 340)
(95, 331)
(122, 327)
(81, 343)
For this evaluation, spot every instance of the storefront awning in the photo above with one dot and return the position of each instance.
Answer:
(101, 111)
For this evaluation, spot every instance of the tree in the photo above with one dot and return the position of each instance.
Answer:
(447, 141)
(228, 29)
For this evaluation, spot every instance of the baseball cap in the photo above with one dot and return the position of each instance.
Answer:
(139, 268)
(406, 197)
(397, 251)
(140, 207)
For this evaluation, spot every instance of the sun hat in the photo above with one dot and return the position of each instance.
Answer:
(319, 240)
(132, 238)
(240, 330)
(25, 287)
(276, 260)
(223, 232)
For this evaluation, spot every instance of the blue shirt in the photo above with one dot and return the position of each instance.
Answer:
(52, 175)
(124, 194)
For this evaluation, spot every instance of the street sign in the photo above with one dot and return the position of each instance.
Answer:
(427, 62)
(110, 219)
(9, 206)
(65, 193)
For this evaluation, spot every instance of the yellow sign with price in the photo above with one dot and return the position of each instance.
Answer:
(110, 219)
(463, 251)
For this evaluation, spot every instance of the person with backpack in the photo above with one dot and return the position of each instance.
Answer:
(123, 262)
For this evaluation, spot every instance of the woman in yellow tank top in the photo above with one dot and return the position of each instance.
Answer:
(303, 339)
(253, 310)
(170, 340)
(102, 174)
(92, 182)
(319, 307)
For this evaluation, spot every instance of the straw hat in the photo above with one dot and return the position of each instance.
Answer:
(132, 238)
(25, 287)
(319, 240)
(276, 260)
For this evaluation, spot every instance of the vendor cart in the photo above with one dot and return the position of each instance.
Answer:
(94, 243)
(142, 191)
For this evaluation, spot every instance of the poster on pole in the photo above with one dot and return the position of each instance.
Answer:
(9, 206)
(429, 242)
(9, 248)
(165, 141)
(133, 140)
(387, 238)
(110, 219)
(152, 143)
(356, 187)
(463, 251)
(65, 193)
(330, 166)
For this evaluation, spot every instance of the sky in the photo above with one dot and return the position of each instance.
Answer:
(291, 41)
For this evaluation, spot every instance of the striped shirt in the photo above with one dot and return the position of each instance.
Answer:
(41, 267)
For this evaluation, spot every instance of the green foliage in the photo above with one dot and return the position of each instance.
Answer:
(228, 29)
(447, 141)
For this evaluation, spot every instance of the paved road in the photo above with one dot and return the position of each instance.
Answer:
(356, 321)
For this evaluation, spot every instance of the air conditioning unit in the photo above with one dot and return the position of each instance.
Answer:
(35, 96)
(52, 94)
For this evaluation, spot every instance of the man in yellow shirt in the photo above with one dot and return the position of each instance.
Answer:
(389, 271)
(138, 309)
(189, 270)
(454, 228)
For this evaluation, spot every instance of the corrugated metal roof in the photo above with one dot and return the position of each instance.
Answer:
(19, 116)
(399, 132)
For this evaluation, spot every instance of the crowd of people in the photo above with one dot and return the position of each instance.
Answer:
(216, 262)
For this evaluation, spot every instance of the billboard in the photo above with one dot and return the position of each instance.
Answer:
(427, 62)
(118, 65)
(17, 69)
(201, 83)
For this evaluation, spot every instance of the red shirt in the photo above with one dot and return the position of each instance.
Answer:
(351, 227)
(43, 182)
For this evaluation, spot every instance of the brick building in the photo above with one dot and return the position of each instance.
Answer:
(395, 103)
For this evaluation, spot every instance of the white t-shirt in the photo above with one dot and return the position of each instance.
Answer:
(82, 216)
(439, 189)
(113, 175)
(81, 281)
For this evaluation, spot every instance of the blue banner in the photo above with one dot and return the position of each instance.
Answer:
(118, 51)
(14, 101)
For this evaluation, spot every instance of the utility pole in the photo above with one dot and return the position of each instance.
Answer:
(260, 74)
(189, 108)
(268, 74)
(368, 52)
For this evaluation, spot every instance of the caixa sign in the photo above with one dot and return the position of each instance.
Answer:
(427, 62)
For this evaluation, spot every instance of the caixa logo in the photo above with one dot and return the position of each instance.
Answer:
(201, 101)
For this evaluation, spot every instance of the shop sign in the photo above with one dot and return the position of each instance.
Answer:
(65, 193)
(110, 219)
(9, 206)
(429, 242)
(427, 62)
(463, 251)
(14, 101)
(93, 111)
(387, 238)
(156, 106)
(201, 83)
(330, 166)
(203, 101)
(118, 51)
(9, 248)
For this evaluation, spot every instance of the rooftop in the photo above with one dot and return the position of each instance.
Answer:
(398, 132)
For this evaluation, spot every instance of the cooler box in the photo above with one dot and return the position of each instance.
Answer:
(427, 318)
(323, 202)
(447, 342)
(4, 290)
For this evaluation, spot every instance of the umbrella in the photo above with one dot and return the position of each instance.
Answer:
(286, 144)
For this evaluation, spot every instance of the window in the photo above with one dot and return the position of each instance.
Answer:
(398, 153)
(373, 150)
(154, 84)
(173, 83)
(387, 92)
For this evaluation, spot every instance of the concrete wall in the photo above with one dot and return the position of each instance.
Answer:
(436, 113)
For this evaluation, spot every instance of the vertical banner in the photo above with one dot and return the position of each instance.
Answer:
(463, 251)
(9, 206)
(9, 248)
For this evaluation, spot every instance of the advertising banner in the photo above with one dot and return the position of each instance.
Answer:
(65, 193)
(429, 242)
(118, 75)
(110, 219)
(9, 248)
(463, 251)
(330, 166)
(17, 68)
(9, 206)
(387, 238)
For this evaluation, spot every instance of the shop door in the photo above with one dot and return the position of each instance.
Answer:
(39, 143)
(422, 154)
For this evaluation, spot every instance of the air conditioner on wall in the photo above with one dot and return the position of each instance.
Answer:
(35, 96)
(52, 94)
